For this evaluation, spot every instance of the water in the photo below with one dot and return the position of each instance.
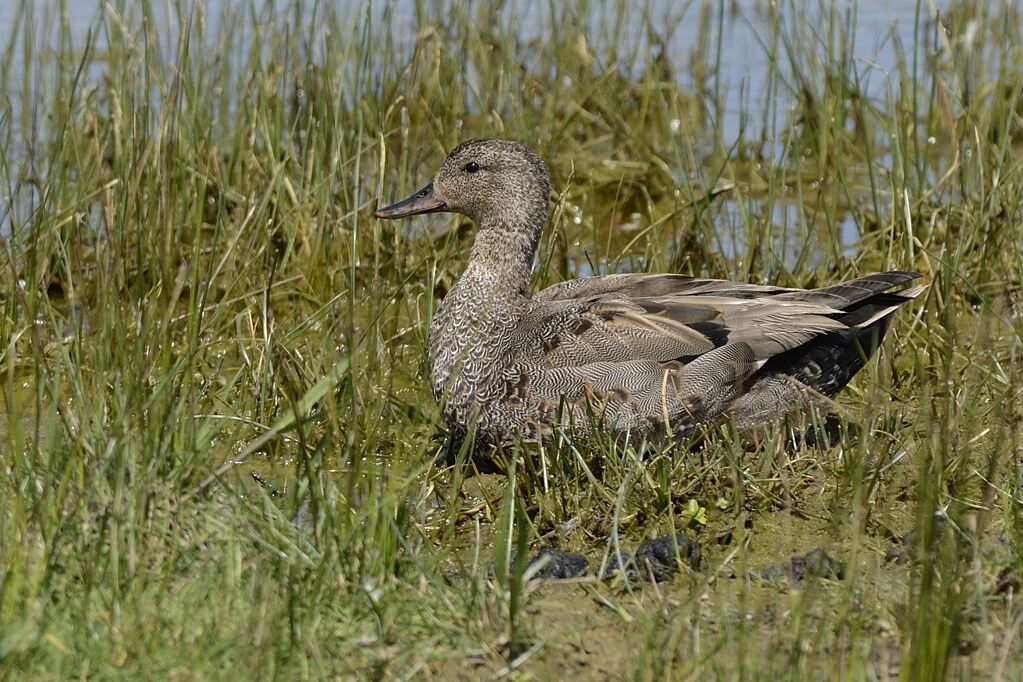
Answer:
(741, 31)
(737, 40)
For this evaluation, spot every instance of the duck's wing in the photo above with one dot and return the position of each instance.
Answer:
(651, 286)
(671, 317)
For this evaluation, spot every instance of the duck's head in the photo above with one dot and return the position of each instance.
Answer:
(491, 181)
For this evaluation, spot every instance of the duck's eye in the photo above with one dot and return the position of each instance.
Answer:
(471, 167)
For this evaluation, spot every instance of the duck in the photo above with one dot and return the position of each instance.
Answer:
(645, 355)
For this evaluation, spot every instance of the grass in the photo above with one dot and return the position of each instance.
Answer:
(192, 277)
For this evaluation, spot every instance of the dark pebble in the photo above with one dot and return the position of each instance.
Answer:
(829, 434)
(658, 557)
(614, 567)
(558, 565)
(816, 563)
(897, 554)
(1008, 581)
(902, 549)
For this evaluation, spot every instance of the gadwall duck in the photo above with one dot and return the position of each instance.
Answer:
(646, 354)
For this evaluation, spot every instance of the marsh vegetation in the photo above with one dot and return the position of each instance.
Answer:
(193, 288)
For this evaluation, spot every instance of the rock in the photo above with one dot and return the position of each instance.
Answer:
(557, 564)
(815, 563)
(658, 557)
(1008, 582)
(613, 566)
(902, 549)
(898, 553)
(827, 435)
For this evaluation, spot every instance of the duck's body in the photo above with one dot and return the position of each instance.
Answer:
(644, 354)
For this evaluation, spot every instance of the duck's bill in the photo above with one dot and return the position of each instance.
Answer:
(423, 201)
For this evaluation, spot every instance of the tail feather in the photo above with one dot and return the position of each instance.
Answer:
(869, 311)
(829, 361)
(848, 294)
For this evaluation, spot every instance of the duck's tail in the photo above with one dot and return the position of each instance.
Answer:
(828, 362)
(877, 307)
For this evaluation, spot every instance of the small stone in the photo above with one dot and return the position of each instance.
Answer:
(898, 553)
(1008, 581)
(614, 566)
(816, 563)
(656, 559)
(902, 548)
(659, 558)
(830, 434)
(557, 564)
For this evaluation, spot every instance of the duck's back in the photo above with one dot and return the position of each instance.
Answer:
(669, 348)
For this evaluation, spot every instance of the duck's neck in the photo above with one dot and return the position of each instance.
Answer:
(493, 291)
(502, 261)
(475, 324)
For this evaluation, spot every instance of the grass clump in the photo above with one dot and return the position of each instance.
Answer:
(192, 277)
